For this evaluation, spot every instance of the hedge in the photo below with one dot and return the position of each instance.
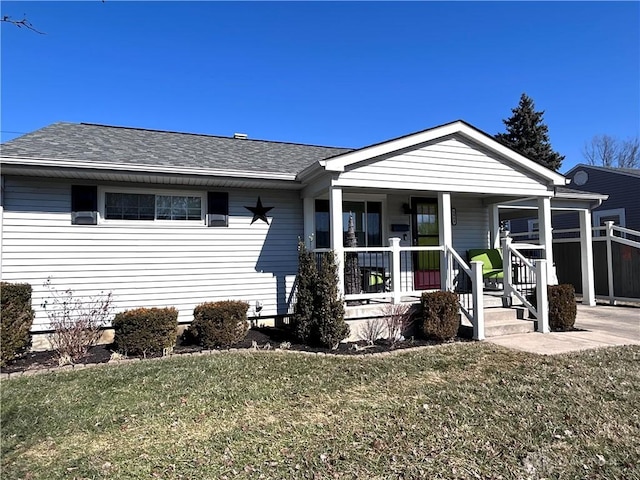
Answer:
(16, 317)
(440, 315)
(220, 324)
(145, 331)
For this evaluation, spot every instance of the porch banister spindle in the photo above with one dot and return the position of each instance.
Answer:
(394, 242)
(478, 300)
(541, 293)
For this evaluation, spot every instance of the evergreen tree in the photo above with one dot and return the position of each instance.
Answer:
(318, 317)
(529, 136)
(330, 326)
(302, 321)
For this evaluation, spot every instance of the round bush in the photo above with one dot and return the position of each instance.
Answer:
(145, 330)
(16, 318)
(440, 315)
(220, 324)
(562, 307)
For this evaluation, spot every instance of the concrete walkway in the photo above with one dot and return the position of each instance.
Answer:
(604, 326)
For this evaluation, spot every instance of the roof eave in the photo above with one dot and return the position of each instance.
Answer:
(139, 168)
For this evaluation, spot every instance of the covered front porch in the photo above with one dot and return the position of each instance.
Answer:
(419, 204)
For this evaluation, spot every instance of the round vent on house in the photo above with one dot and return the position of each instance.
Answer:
(580, 177)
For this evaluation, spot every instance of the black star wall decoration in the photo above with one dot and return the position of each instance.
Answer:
(259, 212)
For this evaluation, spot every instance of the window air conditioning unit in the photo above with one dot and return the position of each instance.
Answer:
(217, 220)
(84, 218)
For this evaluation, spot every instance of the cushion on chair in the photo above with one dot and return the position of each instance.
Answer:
(491, 259)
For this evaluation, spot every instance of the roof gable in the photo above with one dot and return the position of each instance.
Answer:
(459, 128)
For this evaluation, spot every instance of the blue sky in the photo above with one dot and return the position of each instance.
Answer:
(327, 73)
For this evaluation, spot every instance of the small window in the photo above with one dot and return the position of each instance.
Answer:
(218, 209)
(323, 231)
(84, 205)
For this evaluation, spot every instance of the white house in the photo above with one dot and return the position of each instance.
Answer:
(175, 219)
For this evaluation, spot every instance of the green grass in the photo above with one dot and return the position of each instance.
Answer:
(454, 411)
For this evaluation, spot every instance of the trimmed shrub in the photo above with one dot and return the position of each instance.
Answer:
(16, 318)
(562, 307)
(145, 331)
(440, 315)
(220, 324)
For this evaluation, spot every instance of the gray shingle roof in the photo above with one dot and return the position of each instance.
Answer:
(122, 145)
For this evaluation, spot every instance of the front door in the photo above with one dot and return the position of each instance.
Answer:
(426, 265)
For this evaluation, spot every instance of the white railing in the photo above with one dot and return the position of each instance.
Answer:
(608, 234)
(530, 273)
(387, 274)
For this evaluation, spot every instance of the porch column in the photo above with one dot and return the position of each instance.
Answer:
(494, 226)
(335, 213)
(545, 232)
(446, 238)
(586, 257)
(309, 214)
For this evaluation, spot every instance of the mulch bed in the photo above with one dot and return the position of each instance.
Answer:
(260, 338)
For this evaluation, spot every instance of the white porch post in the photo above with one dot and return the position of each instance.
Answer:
(586, 249)
(507, 280)
(335, 213)
(609, 231)
(478, 300)
(309, 213)
(494, 226)
(546, 239)
(446, 238)
(394, 243)
(541, 296)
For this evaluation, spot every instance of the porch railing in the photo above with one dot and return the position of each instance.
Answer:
(389, 274)
(616, 253)
(525, 275)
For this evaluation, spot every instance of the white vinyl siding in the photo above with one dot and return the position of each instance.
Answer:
(448, 165)
(472, 229)
(156, 264)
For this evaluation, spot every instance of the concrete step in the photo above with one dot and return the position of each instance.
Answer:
(500, 321)
(506, 321)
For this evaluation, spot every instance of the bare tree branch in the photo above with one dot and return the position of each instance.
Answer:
(24, 23)
(629, 156)
(608, 151)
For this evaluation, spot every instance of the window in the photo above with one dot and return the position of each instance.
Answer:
(149, 206)
(84, 205)
(615, 215)
(367, 218)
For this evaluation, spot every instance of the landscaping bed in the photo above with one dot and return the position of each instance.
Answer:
(258, 338)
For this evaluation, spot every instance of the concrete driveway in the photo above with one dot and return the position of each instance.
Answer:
(603, 326)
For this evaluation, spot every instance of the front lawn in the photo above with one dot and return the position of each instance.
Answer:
(454, 411)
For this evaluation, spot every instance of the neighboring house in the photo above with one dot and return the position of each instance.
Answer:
(622, 185)
(175, 219)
